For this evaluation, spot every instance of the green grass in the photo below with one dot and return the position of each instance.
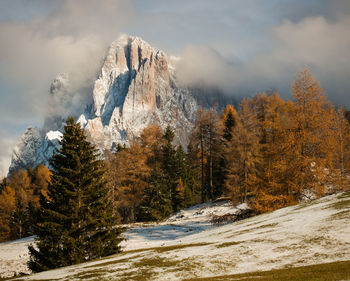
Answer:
(320, 272)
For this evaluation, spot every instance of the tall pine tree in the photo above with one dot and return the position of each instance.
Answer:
(75, 222)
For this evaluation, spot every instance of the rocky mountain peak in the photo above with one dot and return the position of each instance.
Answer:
(134, 88)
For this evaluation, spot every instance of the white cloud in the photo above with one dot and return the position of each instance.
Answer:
(6, 145)
(314, 42)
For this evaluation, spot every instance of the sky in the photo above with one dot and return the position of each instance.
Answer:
(240, 46)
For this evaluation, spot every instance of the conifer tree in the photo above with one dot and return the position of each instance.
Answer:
(7, 207)
(242, 155)
(75, 221)
(341, 148)
(193, 175)
(312, 134)
(130, 173)
(186, 181)
(271, 186)
(20, 222)
(156, 202)
(206, 139)
(169, 166)
(229, 120)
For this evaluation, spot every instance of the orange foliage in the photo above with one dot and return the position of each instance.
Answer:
(266, 202)
(7, 206)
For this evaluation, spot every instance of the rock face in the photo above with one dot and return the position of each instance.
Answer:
(25, 151)
(136, 86)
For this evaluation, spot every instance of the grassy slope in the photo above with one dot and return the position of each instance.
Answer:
(310, 241)
(319, 272)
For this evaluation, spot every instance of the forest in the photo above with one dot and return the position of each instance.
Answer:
(267, 152)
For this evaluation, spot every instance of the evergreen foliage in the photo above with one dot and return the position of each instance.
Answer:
(156, 202)
(230, 120)
(75, 222)
(170, 168)
(20, 222)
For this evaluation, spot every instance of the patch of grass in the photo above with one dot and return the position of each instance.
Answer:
(176, 247)
(294, 247)
(344, 195)
(138, 275)
(314, 240)
(89, 274)
(155, 262)
(228, 244)
(267, 225)
(237, 233)
(306, 204)
(16, 278)
(148, 268)
(340, 215)
(167, 248)
(340, 205)
(265, 240)
(111, 262)
(319, 272)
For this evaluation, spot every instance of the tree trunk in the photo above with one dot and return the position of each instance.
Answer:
(202, 171)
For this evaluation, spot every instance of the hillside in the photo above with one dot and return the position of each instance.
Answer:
(188, 246)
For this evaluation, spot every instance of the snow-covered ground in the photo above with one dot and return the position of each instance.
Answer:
(187, 245)
(14, 256)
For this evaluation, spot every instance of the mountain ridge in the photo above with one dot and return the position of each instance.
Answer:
(134, 88)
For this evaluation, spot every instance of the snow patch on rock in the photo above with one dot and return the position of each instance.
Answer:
(54, 135)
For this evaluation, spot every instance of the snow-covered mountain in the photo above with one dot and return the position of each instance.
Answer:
(136, 86)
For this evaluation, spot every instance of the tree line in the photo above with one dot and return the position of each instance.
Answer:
(19, 197)
(267, 152)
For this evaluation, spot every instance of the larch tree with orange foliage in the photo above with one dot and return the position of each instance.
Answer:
(242, 155)
(311, 138)
(130, 170)
(270, 189)
(206, 139)
(341, 148)
(7, 207)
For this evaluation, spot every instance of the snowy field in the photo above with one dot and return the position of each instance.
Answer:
(187, 245)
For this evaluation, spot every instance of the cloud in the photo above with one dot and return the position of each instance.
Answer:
(241, 47)
(201, 65)
(72, 39)
(6, 144)
(314, 42)
(65, 36)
